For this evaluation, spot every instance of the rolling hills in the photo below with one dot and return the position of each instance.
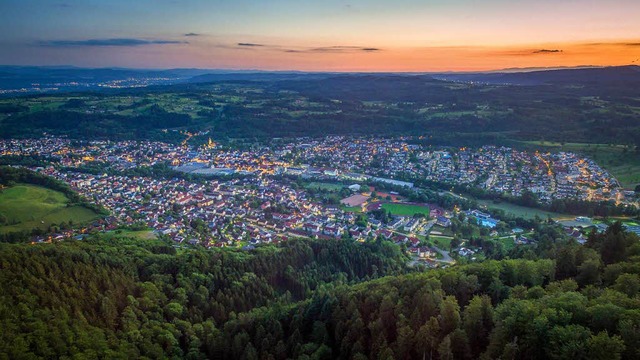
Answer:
(596, 105)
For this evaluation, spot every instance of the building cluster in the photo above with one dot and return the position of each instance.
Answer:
(264, 207)
(504, 170)
(213, 213)
(245, 212)
(500, 170)
(131, 82)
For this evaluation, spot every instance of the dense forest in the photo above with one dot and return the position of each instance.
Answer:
(129, 298)
(320, 299)
(94, 126)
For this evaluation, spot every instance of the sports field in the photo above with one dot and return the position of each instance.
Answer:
(406, 209)
(27, 206)
(523, 211)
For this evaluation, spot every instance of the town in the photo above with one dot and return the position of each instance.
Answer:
(270, 193)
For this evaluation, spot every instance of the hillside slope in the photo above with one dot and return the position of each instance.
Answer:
(311, 299)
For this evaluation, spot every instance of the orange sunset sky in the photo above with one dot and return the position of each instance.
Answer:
(331, 35)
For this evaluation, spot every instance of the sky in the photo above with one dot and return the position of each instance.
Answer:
(321, 35)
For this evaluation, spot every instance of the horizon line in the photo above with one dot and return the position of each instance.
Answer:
(256, 70)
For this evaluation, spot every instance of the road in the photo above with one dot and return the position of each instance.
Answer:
(445, 256)
(442, 193)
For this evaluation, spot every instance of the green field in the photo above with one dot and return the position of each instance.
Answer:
(507, 242)
(30, 206)
(356, 209)
(523, 211)
(442, 230)
(621, 161)
(406, 209)
(443, 242)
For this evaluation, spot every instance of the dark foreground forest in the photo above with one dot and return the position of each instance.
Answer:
(318, 300)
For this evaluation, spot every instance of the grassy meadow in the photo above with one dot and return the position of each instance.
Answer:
(25, 207)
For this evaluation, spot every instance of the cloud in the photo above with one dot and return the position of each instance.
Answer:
(250, 44)
(192, 34)
(331, 49)
(614, 44)
(108, 42)
(547, 51)
(299, 50)
(341, 49)
(521, 52)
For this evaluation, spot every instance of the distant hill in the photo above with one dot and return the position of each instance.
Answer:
(257, 76)
(68, 78)
(615, 75)
(38, 79)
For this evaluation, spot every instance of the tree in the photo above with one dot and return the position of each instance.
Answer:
(589, 273)
(449, 315)
(427, 337)
(461, 349)
(630, 333)
(478, 323)
(568, 342)
(628, 284)
(605, 347)
(250, 353)
(444, 349)
(454, 244)
(510, 351)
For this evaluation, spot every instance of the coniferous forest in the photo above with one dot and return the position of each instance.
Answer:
(318, 299)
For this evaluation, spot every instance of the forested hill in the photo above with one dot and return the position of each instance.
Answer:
(307, 300)
(582, 305)
(602, 77)
(127, 299)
